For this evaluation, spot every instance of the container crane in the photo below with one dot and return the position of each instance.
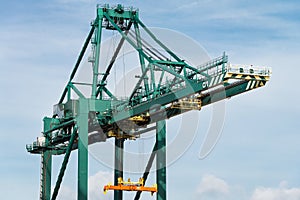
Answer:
(77, 123)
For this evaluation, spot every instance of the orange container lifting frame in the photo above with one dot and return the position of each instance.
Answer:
(130, 186)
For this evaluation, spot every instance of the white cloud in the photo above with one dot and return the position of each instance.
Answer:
(95, 187)
(280, 193)
(66, 193)
(96, 184)
(212, 186)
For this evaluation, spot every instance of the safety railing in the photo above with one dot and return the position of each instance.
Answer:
(248, 69)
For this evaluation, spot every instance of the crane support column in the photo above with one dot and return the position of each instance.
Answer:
(82, 120)
(119, 156)
(161, 171)
(46, 168)
(98, 33)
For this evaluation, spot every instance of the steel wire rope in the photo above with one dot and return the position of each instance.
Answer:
(115, 68)
(144, 50)
(141, 151)
(108, 53)
(149, 47)
(124, 70)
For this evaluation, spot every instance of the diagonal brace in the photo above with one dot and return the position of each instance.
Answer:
(86, 43)
(147, 170)
(127, 38)
(139, 83)
(113, 59)
(64, 165)
(171, 71)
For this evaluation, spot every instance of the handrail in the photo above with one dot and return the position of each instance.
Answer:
(249, 69)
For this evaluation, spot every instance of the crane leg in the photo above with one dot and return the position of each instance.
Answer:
(82, 120)
(161, 175)
(119, 155)
(46, 167)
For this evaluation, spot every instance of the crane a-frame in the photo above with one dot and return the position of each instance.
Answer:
(76, 123)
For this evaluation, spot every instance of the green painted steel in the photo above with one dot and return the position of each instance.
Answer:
(151, 99)
(46, 171)
(161, 170)
(82, 52)
(82, 121)
(147, 170)
(118, 12)
(64, 165)
(119, 160)
(98, 31)
(109, 67)
(141, 56)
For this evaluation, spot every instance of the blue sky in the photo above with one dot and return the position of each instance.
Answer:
(257, 156)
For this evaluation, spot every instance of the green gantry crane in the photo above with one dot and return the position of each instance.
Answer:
(77, 123)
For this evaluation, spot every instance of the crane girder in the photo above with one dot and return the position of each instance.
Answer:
(110, 112)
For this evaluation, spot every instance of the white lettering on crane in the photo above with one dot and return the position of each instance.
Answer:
(205, 84)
